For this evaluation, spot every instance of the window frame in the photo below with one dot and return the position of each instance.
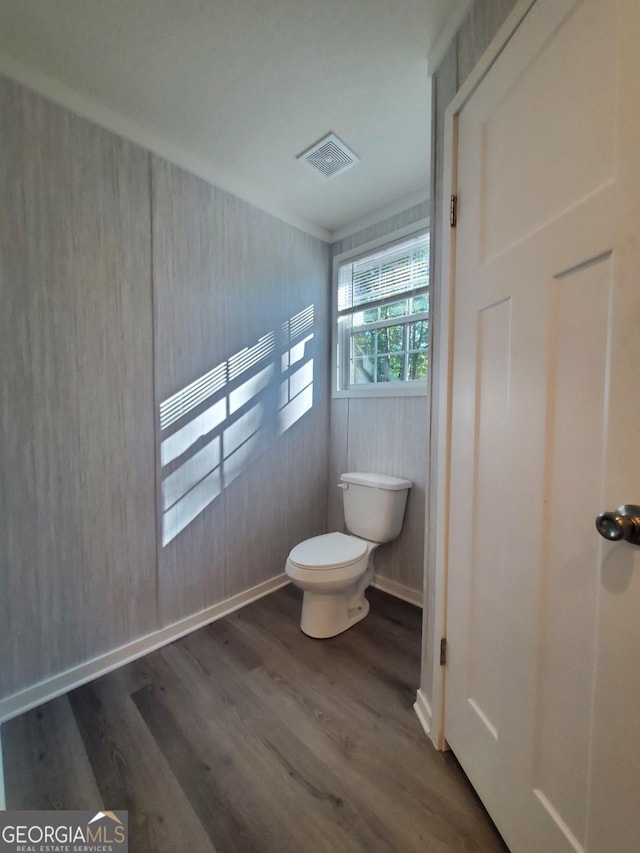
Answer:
(340, 338)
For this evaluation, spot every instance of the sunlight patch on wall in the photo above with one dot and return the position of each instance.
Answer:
(249, 389)
(184, 401)
(189, 474)
(250, 356)
(218, 425)
(296, 390)
(175, 445)
(242, 443)
(181, 514)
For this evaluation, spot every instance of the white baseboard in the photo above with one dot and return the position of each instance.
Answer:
(399, 590)
(423, 712)
(42, 692)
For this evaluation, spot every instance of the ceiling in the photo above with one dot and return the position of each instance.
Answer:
(234, 90)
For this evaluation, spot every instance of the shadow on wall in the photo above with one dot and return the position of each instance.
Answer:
(217, 425)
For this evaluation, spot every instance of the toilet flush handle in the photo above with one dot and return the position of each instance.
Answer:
(343, 485)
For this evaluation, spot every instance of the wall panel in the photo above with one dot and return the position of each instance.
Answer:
(391, 435)
(384, 434)
(338, 461)
(77, 519)
(163, 392)
(241, 361)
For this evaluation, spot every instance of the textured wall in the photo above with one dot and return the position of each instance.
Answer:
(470, 42)
(77, 518)
(236, 290)
(127, 284)
(388, 435)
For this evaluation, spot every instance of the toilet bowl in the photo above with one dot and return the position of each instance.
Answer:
(333, 570)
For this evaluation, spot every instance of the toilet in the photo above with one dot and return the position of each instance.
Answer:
(335, 569)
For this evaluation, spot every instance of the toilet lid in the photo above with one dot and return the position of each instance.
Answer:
(330, 551)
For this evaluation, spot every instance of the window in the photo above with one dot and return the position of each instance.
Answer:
(382, 309)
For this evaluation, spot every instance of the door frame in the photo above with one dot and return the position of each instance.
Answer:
(438, 521)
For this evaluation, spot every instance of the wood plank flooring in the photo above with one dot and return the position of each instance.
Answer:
(249, 736)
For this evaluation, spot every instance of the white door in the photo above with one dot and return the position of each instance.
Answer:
(543, 615)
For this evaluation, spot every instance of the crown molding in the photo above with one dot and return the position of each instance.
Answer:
(125, 127)
(380, 215)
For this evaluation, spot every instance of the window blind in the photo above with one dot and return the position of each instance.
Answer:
(374, 279)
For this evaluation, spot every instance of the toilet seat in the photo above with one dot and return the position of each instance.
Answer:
(329, 551)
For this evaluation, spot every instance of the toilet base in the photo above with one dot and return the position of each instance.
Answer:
(328, 614)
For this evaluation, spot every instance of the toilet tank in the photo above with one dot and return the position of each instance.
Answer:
(374, 505)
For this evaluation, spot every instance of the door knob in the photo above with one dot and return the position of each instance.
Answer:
(624, 523)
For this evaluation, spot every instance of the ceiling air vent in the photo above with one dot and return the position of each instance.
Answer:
(329, 156)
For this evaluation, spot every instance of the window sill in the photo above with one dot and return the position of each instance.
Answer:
(400, 389)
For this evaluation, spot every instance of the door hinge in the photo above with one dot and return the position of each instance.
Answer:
(453, 211)
(443, 651)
